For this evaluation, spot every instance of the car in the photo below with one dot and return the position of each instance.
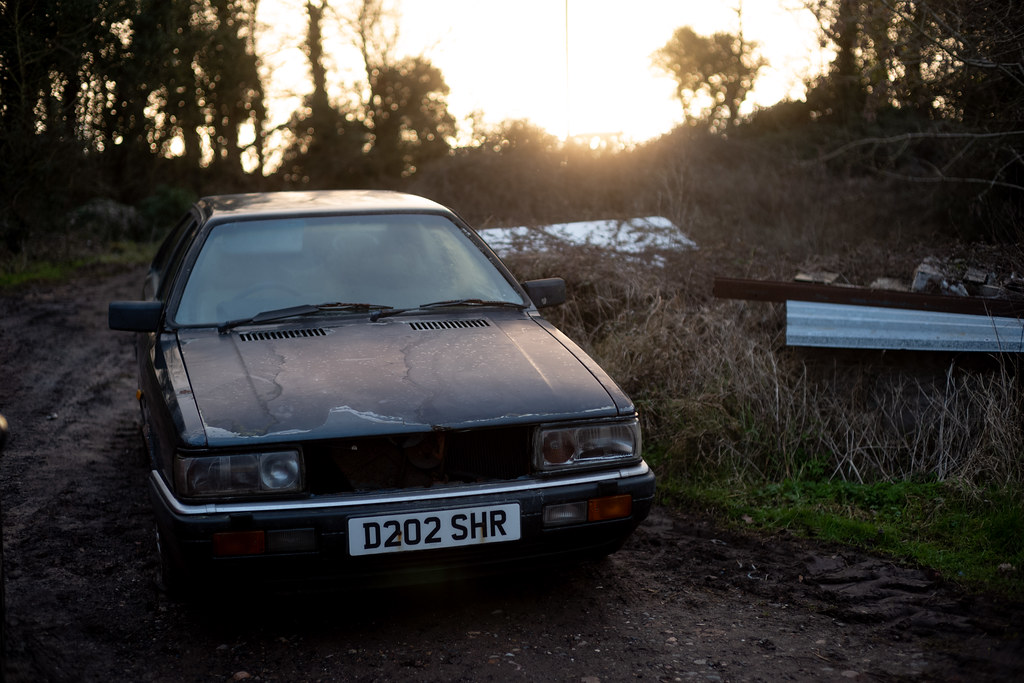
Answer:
(349, 387)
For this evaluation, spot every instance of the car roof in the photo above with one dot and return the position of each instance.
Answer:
(266, 204)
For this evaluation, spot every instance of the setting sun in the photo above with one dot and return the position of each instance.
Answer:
(574, 68)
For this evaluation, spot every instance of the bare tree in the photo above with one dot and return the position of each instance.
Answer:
(947, 76)
(327, 140)
(406, 112)
(397, 120)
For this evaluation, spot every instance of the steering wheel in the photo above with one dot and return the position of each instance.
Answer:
(269, 285)
(236, 308)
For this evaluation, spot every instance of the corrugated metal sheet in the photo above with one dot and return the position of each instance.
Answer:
(870, 327)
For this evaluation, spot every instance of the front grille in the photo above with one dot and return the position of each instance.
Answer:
(489, 454)
(418, 460)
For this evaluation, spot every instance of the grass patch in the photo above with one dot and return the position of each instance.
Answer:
(15, 273)
(972, 539)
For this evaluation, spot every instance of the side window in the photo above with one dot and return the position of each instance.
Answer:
(168, 257)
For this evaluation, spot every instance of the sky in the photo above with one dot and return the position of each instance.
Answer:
(508, 58)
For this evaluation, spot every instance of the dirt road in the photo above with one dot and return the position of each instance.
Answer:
(683, 601)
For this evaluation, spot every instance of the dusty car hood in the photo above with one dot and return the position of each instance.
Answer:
(396, 375)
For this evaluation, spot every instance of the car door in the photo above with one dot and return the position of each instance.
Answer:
(160, 411)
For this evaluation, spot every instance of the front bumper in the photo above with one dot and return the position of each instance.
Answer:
(187, 531)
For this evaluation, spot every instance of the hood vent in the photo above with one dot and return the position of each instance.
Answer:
(448, 324)
(282, 334)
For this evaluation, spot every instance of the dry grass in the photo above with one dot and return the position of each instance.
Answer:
(719, 391)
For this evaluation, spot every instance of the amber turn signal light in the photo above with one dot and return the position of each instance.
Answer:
(609, 507)
(232, 543)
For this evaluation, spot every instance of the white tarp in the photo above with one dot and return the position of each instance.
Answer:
(633, 236)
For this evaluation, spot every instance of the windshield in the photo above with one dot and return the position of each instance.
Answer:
(397, 260)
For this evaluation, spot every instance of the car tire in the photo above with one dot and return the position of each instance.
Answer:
(172, 579)
(4, 430)
(604, 552)
(147, 453)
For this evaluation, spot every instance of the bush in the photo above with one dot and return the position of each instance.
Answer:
(163, 208)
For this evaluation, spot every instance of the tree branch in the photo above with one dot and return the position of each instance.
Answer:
(910, 137)
(1013, 70)
(990, 183)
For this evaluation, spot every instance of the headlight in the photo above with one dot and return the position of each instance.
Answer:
(239, 474)
(588, 444)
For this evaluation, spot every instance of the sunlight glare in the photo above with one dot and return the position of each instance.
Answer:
(508, 60)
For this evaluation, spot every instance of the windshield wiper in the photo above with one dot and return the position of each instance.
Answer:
(298, 311)
(448, 303)
(473, 302)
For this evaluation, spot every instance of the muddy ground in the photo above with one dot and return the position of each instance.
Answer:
(683, 600)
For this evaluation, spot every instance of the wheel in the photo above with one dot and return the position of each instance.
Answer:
(172, 578)
(4, 429)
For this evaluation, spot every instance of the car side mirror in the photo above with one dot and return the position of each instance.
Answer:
(547, 292)
(134, 316)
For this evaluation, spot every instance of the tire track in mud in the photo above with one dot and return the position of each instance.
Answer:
(959, 636)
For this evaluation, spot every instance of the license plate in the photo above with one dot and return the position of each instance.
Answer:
(437, 529)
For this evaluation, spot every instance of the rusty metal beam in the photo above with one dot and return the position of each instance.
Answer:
(764, 290)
